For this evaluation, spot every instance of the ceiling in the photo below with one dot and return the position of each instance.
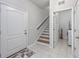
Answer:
(41, 3)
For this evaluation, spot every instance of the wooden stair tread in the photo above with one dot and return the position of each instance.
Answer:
(46, 31)
(45, 34)
(44, 37)
(46, 28)
(44, 41)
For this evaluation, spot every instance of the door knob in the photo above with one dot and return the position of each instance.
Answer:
(25, 32)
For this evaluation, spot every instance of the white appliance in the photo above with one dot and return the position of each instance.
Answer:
(69, 38)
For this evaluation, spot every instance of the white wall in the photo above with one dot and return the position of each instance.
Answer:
(56, 28)
(68, 4)
(35, 16)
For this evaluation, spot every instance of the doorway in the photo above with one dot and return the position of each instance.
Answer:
(62, 30)
(62, 25)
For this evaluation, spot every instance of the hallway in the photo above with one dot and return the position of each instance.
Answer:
(33, 28)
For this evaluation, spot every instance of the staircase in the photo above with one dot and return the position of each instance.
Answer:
(44, 37)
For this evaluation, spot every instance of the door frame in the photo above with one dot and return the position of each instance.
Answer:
(74, 30)
(72, 26)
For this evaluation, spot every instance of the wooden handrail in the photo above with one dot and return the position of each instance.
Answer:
(42, 23)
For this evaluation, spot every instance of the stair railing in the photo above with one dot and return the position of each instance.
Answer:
(42, 23)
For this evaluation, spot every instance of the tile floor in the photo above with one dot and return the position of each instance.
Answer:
(62, 50)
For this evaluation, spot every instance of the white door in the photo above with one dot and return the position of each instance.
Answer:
(55, 28)
(13, 28)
